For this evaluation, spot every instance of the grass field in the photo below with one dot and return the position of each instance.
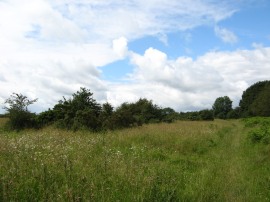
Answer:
(182, 161)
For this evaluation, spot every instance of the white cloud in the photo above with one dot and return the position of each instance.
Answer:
(163, 38)
(51, 73)
(120, 46)
(226, 35)
(86, 21)
(51, 48)
(188, 84)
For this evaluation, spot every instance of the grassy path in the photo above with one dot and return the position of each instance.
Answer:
(232, 161)
(222, 178)
(236, 171)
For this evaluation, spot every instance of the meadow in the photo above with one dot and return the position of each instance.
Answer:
(182, 161)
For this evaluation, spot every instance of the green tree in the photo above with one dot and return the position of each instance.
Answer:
(19, 115)
(255, 100)
(261, 105)
(107, 109)
(106, 114)
(146, 112)
(222, 106)
(80, 111)
(168, 115)
(234, 113)
(135, 114)
(206, 115)
(46, 118)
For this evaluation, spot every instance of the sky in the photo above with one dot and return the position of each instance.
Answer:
(178, 53)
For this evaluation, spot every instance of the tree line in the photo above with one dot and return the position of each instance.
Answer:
(82, 111)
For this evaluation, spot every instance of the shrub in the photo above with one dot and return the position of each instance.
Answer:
(17, 111)
(206, 115)
(260, 131)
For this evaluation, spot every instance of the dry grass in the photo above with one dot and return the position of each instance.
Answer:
(3, 121)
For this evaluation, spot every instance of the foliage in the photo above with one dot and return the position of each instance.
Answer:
(256, 100)
(135, 114)
(260, 131)
(261, 134)
(123, 118)
(83, 112)
(222, 106)
(256, 121)
(46, 118)
(234, 113)
(191, 116)
(80, 111)
(206, 115)
(203, 115)
(17, 110)
(261, 105)
(3, 115)
(106, 114)
(168, 115)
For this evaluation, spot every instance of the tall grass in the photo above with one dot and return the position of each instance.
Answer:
(183, 161)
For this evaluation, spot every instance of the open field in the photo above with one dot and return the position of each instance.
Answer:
(182, 161)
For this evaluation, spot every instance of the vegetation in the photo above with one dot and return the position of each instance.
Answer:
(181, 161)
(203, 115)
(194, 160)
(260, 132)
(256, 100)
(2, 115)
(82, 111)
(222, 106)
(19, 116)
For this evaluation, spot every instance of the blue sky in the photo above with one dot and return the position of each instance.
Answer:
(179, 53)
(250, 25)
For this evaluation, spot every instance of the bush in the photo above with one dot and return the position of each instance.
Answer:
(207, 115)
(221, 107)
(46, 118)
(234, 113)
(260, 135)
(19, 116)
(260, 131)
(79, 112)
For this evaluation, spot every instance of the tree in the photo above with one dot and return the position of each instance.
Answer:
(261, 105)
(107, 109)
(206, 115)
(168, 115)
(106, 114)
(256, 100)
(135, 114)
(146, 112)
(234, 113)
(46, 118)
(222, 106)
(19, 115)
(80, 111)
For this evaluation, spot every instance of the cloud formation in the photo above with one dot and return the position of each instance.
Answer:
(120, 46)
(51, 48)
(226, 35)
(186, 84)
